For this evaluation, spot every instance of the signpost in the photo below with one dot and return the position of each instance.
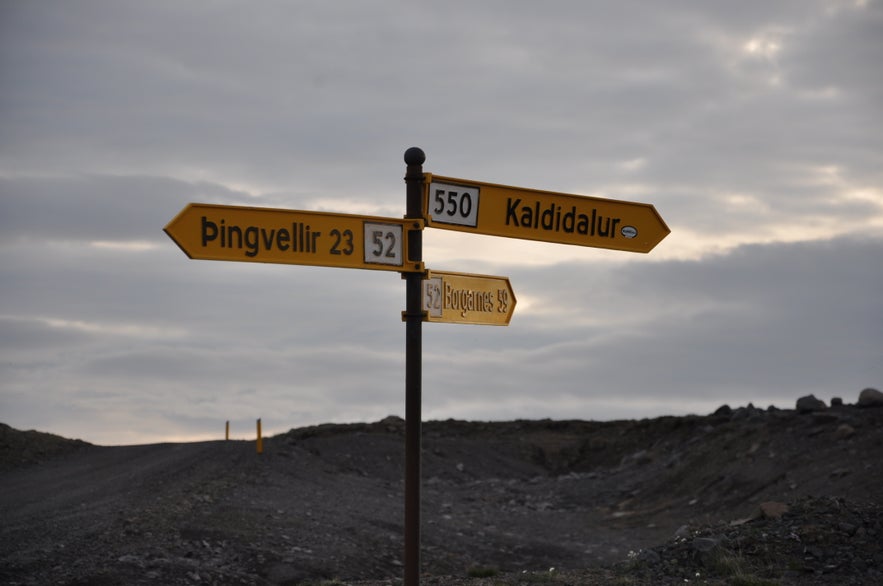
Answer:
(219, 232)
(531, 214)
(462, 298)
(249, 234)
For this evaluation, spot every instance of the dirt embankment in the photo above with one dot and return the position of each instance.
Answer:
(652, 501)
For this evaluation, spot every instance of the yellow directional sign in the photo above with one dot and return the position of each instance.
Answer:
(467, 299)
(515, 212)
(220, 232)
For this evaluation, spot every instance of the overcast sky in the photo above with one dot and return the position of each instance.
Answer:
(752, 127)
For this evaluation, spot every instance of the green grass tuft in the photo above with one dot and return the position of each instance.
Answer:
(482, 572)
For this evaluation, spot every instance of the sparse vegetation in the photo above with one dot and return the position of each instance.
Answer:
(734, 568)
(482, 572)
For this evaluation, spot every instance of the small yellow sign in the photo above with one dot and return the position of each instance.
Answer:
(467, 299)
(531, 214)
(249, 234)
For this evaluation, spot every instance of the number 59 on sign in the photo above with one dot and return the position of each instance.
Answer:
(467, 299)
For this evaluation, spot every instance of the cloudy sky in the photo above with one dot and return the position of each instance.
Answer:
(753, 128)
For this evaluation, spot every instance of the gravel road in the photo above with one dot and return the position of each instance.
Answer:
(568, 502)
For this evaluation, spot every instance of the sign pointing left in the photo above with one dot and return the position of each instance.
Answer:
(249, 234)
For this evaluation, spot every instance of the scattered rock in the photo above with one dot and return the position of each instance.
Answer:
(809, 404)
(393, 423)
(723, 411)
(817, 541)
(747, 412)
(306, 512)
(870, 398)
(844, 431)
(704, 544)
(773, 509)
(836, 402)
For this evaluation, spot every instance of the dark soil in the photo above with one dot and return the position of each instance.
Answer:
(740, 497)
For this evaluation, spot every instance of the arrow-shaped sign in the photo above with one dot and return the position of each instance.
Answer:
(467, 299)
(531, 214)
(219, 232)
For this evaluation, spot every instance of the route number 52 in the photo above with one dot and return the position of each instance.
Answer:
(383, 244)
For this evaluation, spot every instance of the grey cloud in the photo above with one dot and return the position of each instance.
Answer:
(117, 114)
(96, 208)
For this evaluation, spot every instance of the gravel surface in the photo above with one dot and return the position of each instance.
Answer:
(743, 496)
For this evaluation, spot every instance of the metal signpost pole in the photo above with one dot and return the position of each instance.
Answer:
(413, 315)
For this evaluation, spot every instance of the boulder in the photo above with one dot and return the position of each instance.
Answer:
(773, 509)
(723, 411)
(810, 404)
(870, 398)
(705, 544)
(844, 431)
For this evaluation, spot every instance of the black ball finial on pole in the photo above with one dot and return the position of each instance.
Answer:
(415, 156)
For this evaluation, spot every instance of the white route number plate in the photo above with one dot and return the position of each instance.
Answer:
(453, 204)
(383, 244)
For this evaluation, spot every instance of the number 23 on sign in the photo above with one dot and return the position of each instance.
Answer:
(216, 232)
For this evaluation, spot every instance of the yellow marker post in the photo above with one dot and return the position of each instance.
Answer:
(260, 442)
(227, 431)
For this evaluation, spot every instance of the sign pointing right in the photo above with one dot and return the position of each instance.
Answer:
(531, 214)
(462, 298)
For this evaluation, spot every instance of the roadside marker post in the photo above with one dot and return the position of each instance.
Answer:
(249, 234)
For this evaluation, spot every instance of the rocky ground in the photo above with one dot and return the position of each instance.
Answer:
(741, 496)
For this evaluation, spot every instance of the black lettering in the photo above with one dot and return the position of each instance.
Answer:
(570, 219)
(547, 221)
(511, 218)
(251, 241)
(267, 238)
(231, 230)
(603, 232)
(582, 225)
(527, 217)
(282, 239)
(209, 231)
